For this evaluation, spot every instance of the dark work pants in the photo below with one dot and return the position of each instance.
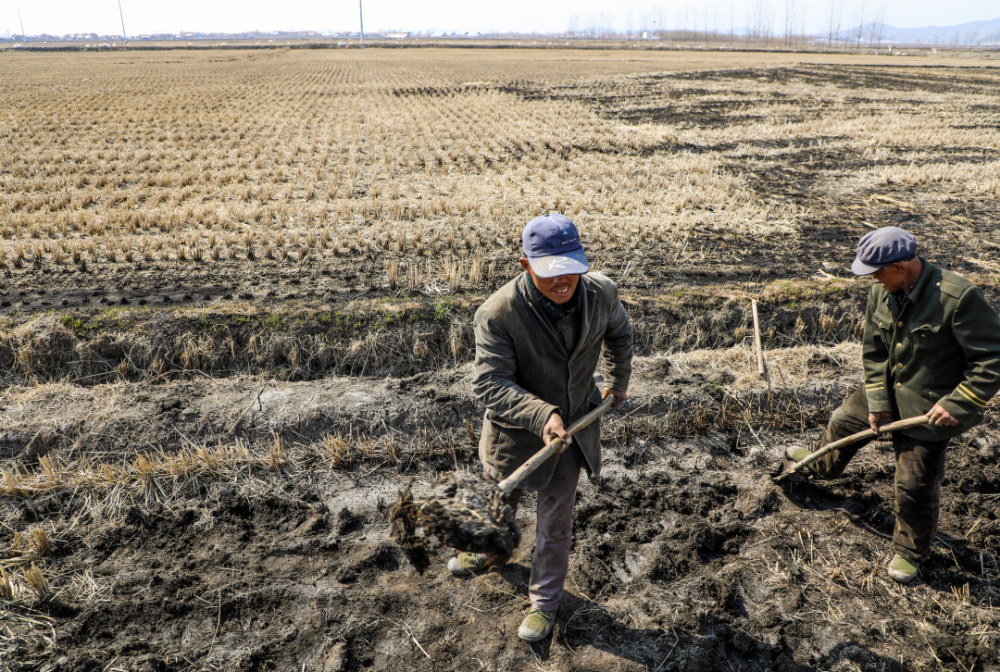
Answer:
(919, 473)
(553, 531)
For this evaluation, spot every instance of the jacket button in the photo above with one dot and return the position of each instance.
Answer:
(939, 284)
(899, 366)
(899, 385)
(899, 346)
(899, 324)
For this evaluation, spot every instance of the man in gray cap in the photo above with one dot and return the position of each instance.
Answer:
(538, 341)
(931, 346)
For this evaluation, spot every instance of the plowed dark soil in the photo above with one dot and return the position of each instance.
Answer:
(686, 555)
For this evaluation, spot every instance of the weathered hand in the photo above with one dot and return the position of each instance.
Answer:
(876, 420)
(940, 417)
(554, 430)
(619, 395)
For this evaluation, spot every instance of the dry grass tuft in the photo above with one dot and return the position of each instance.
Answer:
(41, 541)
(277, 456)
(38, 583)
(339, 451)
(395, 274)
(6, 589)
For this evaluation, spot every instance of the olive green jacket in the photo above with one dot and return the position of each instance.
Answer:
(942, 346)
(524, 373)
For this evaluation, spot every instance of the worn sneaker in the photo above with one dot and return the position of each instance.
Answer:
(537, 625)
(468, 564)
(797, 454)
(902, 569)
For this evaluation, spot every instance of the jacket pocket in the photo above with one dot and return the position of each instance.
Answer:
(926, 337)
(882, 320)
(511, 443)
(500, 422)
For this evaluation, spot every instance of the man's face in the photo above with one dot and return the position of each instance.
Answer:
(892, 277)
(558, 290)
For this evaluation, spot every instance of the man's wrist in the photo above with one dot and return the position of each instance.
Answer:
(953, 409)
(617, 384)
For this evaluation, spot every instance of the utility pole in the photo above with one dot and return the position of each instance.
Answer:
(122, 17)
(23, 36)
(361, 16)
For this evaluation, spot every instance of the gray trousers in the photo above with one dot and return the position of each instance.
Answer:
(553, 531)
(919, 473)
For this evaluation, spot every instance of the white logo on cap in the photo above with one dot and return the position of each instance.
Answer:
(559, 262)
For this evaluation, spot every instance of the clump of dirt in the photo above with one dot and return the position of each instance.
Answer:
(464, 511)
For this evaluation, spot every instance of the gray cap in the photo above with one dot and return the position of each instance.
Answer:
(882, 247)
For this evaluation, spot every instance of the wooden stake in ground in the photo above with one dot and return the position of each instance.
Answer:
(756, 339)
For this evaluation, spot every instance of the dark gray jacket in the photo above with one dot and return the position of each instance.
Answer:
(524, 373)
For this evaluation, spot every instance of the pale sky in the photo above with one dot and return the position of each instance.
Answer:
(59, 17)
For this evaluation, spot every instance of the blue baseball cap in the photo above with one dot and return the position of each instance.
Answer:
(552, 246)
(877, 249)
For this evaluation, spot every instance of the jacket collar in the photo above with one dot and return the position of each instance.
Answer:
(918, 288)
(587, 299)
(555, 310)
(922, 281)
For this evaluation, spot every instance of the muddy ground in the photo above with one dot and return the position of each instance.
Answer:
(686, 555)
(196, 457)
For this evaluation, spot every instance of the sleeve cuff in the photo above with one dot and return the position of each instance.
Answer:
(543, 417)
(620, 384)
(961, 412)
(878, 402)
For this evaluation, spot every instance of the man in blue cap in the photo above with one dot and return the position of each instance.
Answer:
(931, 346)
(538, 342)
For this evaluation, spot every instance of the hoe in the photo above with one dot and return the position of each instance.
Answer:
(467, 512)
(853, 438)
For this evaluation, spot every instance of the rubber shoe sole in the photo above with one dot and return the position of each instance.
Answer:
(902, 570)
(796, 454)
(467, 564)
(537, 625)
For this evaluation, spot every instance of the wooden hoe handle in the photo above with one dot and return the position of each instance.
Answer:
(853, 438)
(545, 453)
